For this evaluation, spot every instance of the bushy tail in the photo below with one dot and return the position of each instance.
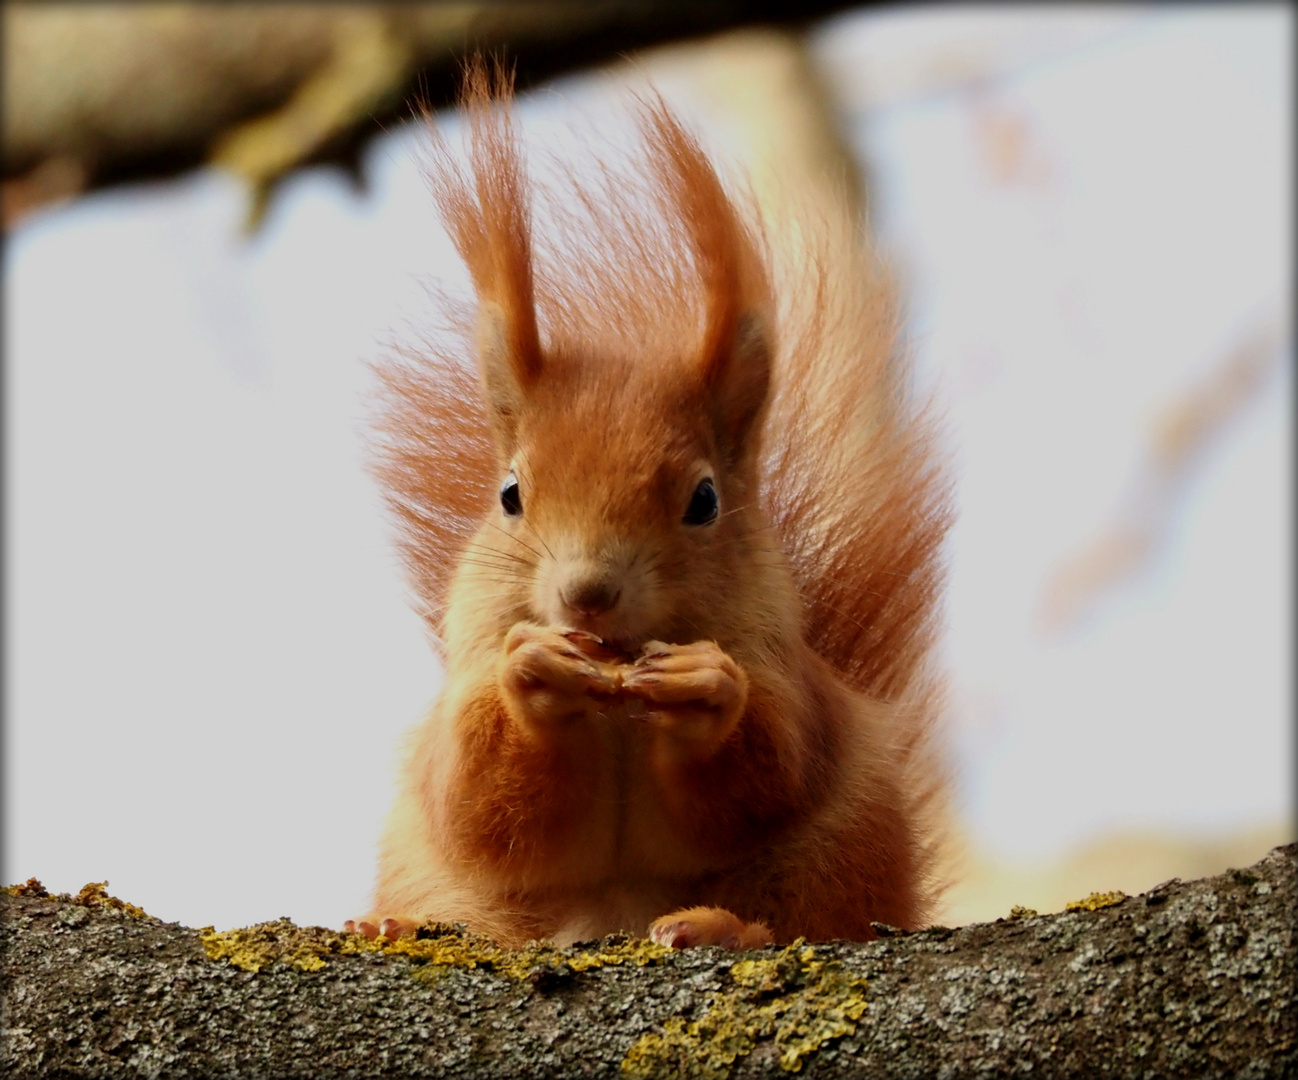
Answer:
(853, 479)
(860, 497)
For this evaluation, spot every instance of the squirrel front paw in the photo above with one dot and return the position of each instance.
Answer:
(695, 692)
(708, 926)
(545, 676)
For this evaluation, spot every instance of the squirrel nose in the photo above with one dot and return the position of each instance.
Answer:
(591, 597)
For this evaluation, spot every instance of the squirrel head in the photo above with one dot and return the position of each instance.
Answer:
(628, 485)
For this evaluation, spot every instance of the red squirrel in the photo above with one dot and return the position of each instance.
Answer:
(679, 541)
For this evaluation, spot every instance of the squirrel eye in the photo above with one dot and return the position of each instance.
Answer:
(511, 499)
(703, 504)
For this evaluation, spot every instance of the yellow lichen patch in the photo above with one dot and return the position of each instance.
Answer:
(32, 887)
(792, 998)
(436, 948)
(255, 947)
(637, 951)
(439, 949)
(94, 894)
(1018, 911)
(1096, 901)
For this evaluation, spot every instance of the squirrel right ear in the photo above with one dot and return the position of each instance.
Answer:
(738, 374)
(735, 353)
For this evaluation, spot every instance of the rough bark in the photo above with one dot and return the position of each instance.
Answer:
(1187, 980)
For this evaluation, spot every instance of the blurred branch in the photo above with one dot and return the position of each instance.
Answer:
(1185, 433)
(128, 91)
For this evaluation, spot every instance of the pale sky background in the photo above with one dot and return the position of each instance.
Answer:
(209, 657)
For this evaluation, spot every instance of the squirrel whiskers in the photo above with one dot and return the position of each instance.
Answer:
(679, 539)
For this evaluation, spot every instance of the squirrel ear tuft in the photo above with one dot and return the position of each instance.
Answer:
(487, 214)
(739, 379)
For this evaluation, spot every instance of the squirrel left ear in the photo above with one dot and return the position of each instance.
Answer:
(509, 363)
(738, 376)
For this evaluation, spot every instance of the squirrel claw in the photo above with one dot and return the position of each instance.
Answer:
(582, 635)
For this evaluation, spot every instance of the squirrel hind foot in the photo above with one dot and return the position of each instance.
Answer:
(696, 926)
(372, 928)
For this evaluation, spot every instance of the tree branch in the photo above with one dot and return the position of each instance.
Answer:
(1187, 980)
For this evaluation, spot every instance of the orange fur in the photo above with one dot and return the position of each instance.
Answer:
(753, 732)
